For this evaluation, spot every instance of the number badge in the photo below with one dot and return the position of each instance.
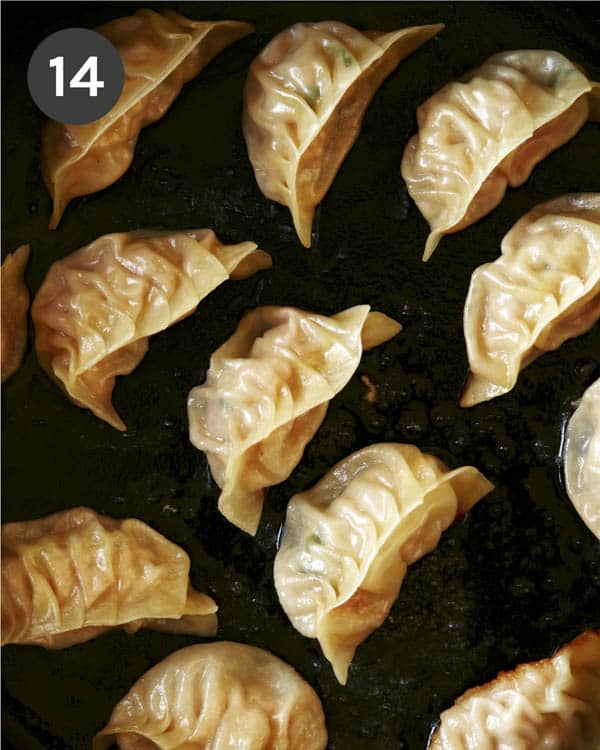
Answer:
(75, 76)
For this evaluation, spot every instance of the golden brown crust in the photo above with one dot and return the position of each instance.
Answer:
(553, 702)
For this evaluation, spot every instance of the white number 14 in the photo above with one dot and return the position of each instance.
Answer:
(89, 67)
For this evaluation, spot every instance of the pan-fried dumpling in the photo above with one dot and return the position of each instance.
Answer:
(349, 539)
(542, 290)
(14, 306)
(160, 53)
(488, 131)
(71, 576)
(219, 696)
(553, 703)
(266, 394)
(582, 458)
(305, 98)
(97, 308)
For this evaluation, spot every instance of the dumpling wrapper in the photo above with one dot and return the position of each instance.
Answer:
(553, 703)
(582, 458)
(488, 131)
(219, 696)
(349, 539)
(266, 394)
(160, 53)
(97, 308)
(14, 306)
(305, 99)
(71, 576)
(542, 290)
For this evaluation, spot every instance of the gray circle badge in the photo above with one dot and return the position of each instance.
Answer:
(75, 76)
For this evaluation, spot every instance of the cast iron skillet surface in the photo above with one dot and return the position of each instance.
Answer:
(517, 578)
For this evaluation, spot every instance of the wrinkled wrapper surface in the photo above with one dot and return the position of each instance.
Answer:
(266, 394)
(349, 540)
(552, 703)
(305, 99)
(160, 53)
(97, 308)
(13, 306)
(220, 696)
(488, 131)
(582, 458)
(71, 576)
(542, 290)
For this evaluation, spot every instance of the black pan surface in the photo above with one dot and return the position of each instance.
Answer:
(517, 578)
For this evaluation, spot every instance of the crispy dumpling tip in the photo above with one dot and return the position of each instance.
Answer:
(348, 541)
(97, 308)
(266, 394)
(160, 53)
(581, 458)
(14, 305)
(488, 131)
(305, 99)
(71, 576)
(217, 695)
(378, 329)
(552, 703)
(542, 290)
